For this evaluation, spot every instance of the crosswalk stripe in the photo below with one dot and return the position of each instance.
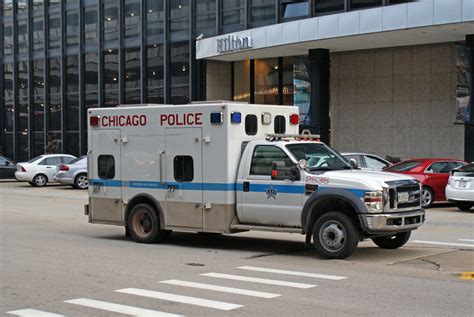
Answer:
(217, 288)
(118, 308)
(466, 240)
(180, 299)
(448, 244)
(32, 313)
(295, 273)
(259, 280)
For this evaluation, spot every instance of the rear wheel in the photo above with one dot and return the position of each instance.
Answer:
(427, 197)
(335, 235)
(463, 205)
(392, 242)
(40, 180)
(81, 181)
(144, 225)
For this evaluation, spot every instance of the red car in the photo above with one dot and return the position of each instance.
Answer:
(432, 173)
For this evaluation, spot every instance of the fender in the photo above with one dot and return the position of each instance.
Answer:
(336, 193)
(145, 198)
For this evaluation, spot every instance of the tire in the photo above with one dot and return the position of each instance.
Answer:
(335, 235)
(40, 180)
(32, 184)
(392, 242)
(81, 181)
(144, 225)
(427, 197)
(463, 205)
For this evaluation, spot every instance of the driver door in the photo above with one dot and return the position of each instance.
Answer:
(265, 201)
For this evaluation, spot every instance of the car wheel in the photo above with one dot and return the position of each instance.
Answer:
(392, 242)
(40, 180)
(427, 197)
(463, 205)
(32, 184)
(335, 235)
(144, 225)
(81, 181)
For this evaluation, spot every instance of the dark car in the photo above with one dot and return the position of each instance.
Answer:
(7, 168)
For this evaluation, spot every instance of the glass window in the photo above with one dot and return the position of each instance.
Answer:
(72, 73)
(72, 28)
(72, 112)
(206, 18)
(55, 75)
(22, 7)
(23, 79)
(439, 167)
(106, 166)
(8, 38)
(91, 100)
(319, 156)
(280, 125)
(23, 149)
(132, 68)
(455, 165)
(262, 12)
(8, 80)
(179, 63)
(111, 98)
(23, 36)
(404, 166)
(38, 113)
(263, 158)
(242, 81)
(90, 25)
(357, 158)
(183, 168)
(111, 70)
(7, 8)
(302, 90)
(375, 163)
(54, 143)
(156, 95)
(362, 4)
(9, 114)
(38, 5)
(54, 30)
(154, 69)
(23, 116)
(233, 15)
(266, 81)
(72, 146)
(55, 160)
(328, 6)
(179, 16)
(288, 80)
(53, 3)
(38, 76)
(251, 124)
(111, 23)
(67, 159)
(154, 17)
(8, 144)
(132, 18)
(38, 144)
(54, 110)
(38, 33)
(294, 9)
(91, 72)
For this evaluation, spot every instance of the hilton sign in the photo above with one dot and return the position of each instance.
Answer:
(233, 43)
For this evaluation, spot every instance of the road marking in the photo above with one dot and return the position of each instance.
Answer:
(117, 308)
(467, 276)
(315, 275)
(32, 313)
(448, 244)
(259, 280)
(217, 288)
(466, 240)
(180, 299)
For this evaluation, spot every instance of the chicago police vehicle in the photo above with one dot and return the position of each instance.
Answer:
(224, 167)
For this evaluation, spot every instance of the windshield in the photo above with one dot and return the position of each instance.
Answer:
(35, 159)
(403, 167)
(318, 156)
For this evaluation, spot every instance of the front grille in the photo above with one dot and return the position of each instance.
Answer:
(404, 195)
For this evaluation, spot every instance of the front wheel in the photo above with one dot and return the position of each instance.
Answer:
(462, 205)
(392, 242)
(144, 225)
(427, 197)
(335, 235)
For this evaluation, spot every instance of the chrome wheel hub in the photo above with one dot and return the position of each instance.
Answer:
(332, 236)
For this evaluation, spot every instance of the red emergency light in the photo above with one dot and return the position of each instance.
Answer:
(294, 119)
(94, 121)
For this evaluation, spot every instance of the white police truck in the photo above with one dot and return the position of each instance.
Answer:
(225, 167)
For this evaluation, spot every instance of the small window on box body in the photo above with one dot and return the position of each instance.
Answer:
(106, 166)
(280, 125)
(251, 124)
(183, 168)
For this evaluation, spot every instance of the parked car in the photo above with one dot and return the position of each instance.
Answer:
(460, 188)
(7, 168)
(432, 173)
(74, 173)
(368, 161)
(40, 170)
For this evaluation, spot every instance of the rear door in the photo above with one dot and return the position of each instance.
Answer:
(438, 175)
(105, 181)
(183, 174)
(48, 166)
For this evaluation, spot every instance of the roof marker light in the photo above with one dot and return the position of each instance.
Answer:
(217, 118)
(266, 118)
(294, 119)
(236, 117)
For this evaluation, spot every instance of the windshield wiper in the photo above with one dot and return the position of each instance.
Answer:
(325, 168)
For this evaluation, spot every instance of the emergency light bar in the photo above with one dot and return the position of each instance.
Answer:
(299, 137)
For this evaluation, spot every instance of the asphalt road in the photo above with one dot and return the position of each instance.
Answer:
(52, 260)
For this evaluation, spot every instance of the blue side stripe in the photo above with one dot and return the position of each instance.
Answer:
(107, 182)
(287, 189)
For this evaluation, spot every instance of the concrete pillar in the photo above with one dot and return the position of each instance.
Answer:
(469, 127)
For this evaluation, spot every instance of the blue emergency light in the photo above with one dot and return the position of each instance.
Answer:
(236, 117)
(217, 118)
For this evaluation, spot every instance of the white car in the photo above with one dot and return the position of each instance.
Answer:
(368, 161)
(40, 170)
(460, 188)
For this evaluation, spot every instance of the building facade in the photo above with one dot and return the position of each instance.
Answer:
(389, 77)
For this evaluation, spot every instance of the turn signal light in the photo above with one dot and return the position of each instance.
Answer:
(294, 119)
(94, 121)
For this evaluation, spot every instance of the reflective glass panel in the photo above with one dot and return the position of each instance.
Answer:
(72, 28)
(23, 79)
(38, 76)
(287, 85)
(72, 112)
(154, 69)
(9, 114)
(111, 70)
(7, 8)
(91, 72)
(111, 23)
(54, 30)
(242, 81)
(72, 73)
(179, 15)
(23, 115)
(8, 38)
(154, 17)
(38, 33)
(38, 113)
(132, 18)
(38, 144)
(8, 81)
(179, 63)
(328, 6)
(206, 18)
(90, 25)
(132, 68)
(266, 81)
(361, 4)
(295, 9)
(55, 75)
(23, 36)
(54, 112)
(262, 12)
(233, 15)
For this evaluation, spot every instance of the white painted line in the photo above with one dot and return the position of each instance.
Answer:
(295, 273)
(466, 240)
(117, 308)
(259, 280)
(448, 244)
(217, 288)
(180, 299)
(32, 313)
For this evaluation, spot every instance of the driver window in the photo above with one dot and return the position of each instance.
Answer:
(263, 157)
(374, 163)
(439, 167)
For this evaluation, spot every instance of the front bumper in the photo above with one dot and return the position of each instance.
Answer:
(393, 222)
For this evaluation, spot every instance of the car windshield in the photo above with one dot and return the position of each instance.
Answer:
(319, 156)
(78, 159)
(403, 167)
(466, 170)
(35, 159)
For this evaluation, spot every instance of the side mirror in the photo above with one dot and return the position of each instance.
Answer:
(281, 172)
(353, 163)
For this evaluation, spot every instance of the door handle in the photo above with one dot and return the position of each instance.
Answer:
(48, 167)
(246, 187)
(161, 166)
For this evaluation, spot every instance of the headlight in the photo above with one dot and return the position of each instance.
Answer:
(374, 201)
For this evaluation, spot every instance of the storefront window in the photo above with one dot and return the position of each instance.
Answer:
(302, 89)
(242, 81)
(132, 18)
(233, 15)
(362, 4)
(154, 17)
(90, 25)
(266, 81)
(328, 6)
(288, 80)
(206, 18)
(262, 12)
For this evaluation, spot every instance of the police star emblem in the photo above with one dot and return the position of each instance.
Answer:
(271, 193)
